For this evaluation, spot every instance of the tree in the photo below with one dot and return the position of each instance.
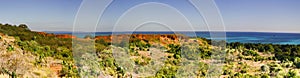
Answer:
(23, 26)
(269, 48)
(297, 62)
(295, 51)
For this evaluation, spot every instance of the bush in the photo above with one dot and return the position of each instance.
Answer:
(227, 72)
(292, 74)
(265, 76)
(174, 48)
(250, 53)
(265, 68)
(244, 71)
(10, 48)
(297, 62)
(176, 56)
(239, 75)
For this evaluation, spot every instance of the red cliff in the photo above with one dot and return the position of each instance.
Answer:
(58, 36)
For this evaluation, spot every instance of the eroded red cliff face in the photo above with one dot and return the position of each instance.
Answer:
(65, 36)
(45, 34)
(58, 35)
(163, 38)
(105, 38)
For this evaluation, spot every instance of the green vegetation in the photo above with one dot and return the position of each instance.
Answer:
(24, 34)
(282, 52)
(41, 47)
(45, 54)
(275, 60)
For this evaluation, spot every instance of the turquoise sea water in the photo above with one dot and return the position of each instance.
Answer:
(243, 37)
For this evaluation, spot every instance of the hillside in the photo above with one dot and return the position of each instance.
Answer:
(14, 61)
(26, 53)
(34, 54)
(242, 60)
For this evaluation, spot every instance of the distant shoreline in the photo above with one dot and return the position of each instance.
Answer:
(70, 32)
(242, 37)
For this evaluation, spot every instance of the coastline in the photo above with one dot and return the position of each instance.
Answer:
(231, 37)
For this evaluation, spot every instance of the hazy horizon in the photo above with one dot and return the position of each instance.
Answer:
(169, 31)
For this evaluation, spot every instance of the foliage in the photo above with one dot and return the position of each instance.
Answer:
(292, 74)
(265, 68)
(41, 46)
(297, 62)
(25, 34)
(274, 58)
(282, 52)
(174, 48)
(250, 53)
(68, 70)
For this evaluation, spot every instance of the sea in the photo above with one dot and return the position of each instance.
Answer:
(242, 37)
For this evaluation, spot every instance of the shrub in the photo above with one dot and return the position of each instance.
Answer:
(239, 75)
(297, 62)
(10, 48)
(265, 76)
(244, 71)
(174, 48)
(227, 72)
(250, 53)
(265, 68)
(176, 56)
(292, 74)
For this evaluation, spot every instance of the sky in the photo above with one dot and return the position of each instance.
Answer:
(162, 15)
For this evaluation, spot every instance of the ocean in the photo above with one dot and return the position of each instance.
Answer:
(242, 37)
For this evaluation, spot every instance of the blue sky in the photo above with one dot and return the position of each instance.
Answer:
(238, 15)
(40, 14)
